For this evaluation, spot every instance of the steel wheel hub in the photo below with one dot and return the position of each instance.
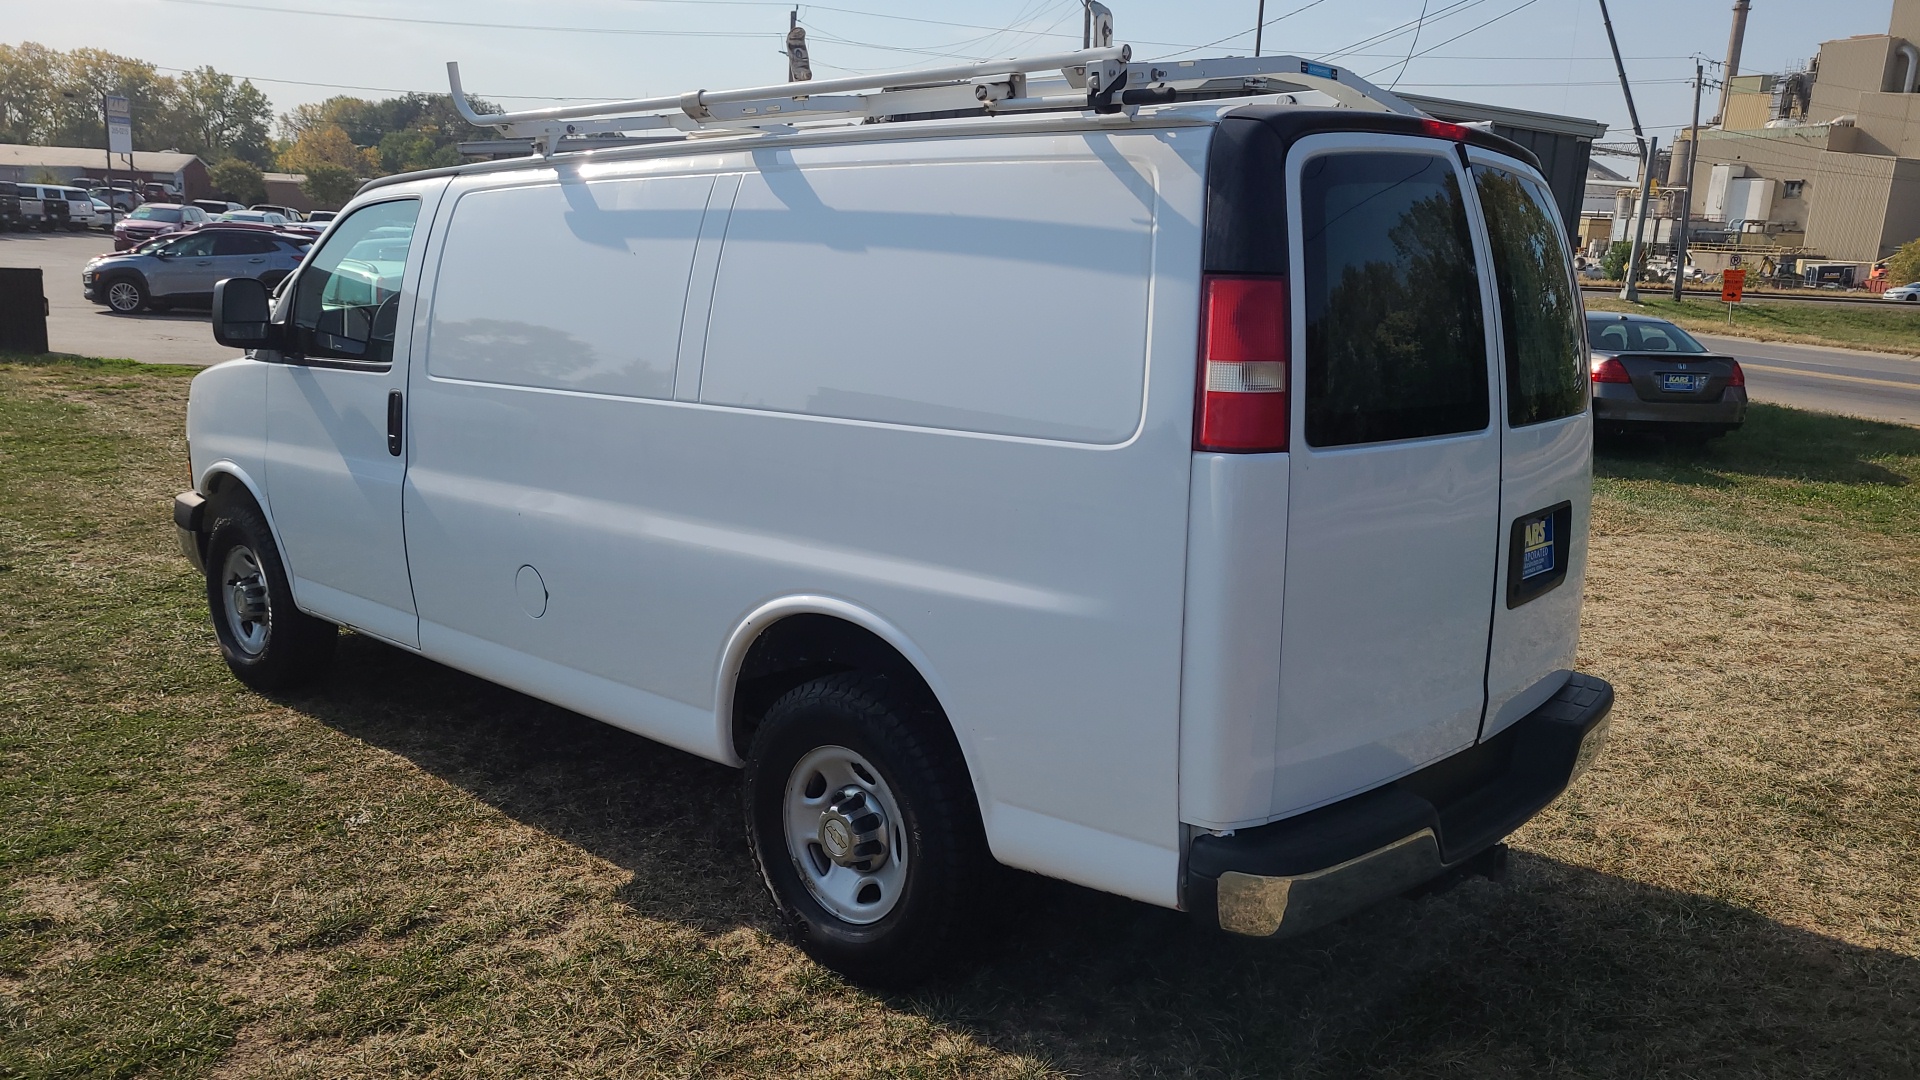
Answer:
(843, 835)
(249, 615)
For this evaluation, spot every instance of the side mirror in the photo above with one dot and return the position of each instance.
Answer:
(242, 315)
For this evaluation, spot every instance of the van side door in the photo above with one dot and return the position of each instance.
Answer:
(1394, 485)
(1547, 441)
(336, 415)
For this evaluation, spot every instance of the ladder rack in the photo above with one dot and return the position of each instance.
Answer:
(1100, 80)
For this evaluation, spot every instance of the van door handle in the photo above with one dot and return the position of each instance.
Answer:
(394, 413)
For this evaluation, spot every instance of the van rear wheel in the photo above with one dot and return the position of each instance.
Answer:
(863, 826)
(267, 642)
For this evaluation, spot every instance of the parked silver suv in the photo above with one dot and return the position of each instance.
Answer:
(184, 268)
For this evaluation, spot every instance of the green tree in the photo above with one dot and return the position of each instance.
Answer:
(328, 145)
(1904, 265)
(240, 180)
(329, 186)
(220, 118)
(1614, 262)
(413, 131)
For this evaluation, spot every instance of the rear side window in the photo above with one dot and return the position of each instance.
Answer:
(569, 286)
(238, 244)
(910, 248)
(1539, 316)
(1396, 348)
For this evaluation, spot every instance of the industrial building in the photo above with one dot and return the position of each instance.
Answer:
(1814, 166)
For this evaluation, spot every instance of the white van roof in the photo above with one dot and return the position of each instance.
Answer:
(1095, 81)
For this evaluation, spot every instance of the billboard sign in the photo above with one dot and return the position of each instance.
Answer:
(119, 125)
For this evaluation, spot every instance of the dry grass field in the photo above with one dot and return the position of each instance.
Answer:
(409, 873)
(1885, 326)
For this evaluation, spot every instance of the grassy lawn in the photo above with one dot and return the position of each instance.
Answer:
(408, 872)
(1892, 328)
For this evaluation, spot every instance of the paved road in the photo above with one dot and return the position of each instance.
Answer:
(1873, 385)
(77, 325)
(1842, 299)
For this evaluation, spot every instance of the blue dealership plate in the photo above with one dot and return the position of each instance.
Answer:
(1536, 551)
(1681, 382)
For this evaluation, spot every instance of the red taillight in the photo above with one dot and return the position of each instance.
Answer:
(1738, 378)
(1440, 129)
(1610, 369)
(1243, 365)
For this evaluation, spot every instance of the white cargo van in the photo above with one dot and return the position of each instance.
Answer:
(1188, 499)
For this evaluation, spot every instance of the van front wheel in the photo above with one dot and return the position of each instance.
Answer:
(267, 642)
(863, 826)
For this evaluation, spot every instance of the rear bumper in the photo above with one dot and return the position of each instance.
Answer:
(1294, 875)
(1619, 403)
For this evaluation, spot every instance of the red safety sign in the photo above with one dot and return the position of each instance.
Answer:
(1732, 284)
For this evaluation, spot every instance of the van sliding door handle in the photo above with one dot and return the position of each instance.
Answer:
(394, 414)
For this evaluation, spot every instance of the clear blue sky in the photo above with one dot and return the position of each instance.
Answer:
(1542, 54)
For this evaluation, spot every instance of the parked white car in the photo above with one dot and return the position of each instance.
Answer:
(1908, 293)
(879, 460)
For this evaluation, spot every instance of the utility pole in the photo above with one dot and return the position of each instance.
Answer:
(106, 129)
(799, 67)
(1259, 25)
(1631, 291)
(1686, 205)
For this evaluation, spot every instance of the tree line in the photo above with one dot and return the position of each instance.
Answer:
(52, 98)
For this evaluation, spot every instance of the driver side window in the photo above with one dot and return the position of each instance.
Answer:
(346, 300)
(191, 247)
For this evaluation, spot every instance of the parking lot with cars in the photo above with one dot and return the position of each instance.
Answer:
(76, 324)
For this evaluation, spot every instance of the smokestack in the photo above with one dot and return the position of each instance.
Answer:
(1734, 41)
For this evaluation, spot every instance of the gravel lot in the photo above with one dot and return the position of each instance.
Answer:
(77, 325)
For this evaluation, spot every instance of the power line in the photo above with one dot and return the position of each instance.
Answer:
(1235, 34)
(382, 89)
(1393, 32)
(1418, 23)
(464, 24)
(1522, 7)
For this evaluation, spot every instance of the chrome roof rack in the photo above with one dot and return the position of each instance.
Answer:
(1101, 80)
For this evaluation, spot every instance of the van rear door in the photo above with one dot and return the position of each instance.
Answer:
(1394, 485)
(1547, 441)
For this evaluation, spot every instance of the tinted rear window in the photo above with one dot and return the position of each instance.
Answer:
(1396, 348)
(1623, 335)
(1539, 315)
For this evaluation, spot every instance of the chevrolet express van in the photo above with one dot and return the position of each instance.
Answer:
(1187, 499)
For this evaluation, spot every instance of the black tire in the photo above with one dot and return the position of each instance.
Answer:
(126, 295)
(282, 647)
(920, 766)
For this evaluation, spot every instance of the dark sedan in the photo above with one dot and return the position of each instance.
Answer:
(1651, 376)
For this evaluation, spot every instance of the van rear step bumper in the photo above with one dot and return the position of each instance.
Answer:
(1291, 876)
